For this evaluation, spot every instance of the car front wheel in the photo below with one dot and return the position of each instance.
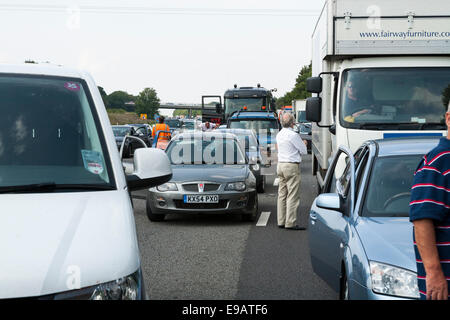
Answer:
(152, 216)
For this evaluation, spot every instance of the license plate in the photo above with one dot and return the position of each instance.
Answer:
(201, 199)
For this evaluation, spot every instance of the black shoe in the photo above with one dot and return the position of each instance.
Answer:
(282, 227)
(296, 228)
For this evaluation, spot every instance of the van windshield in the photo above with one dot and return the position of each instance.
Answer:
(395, 98)
(50, 136)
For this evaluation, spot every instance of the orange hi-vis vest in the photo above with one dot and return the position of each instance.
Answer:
(162, 135)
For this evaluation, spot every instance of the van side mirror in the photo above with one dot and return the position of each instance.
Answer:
(314, 85)
(314, 109)
(151, 168)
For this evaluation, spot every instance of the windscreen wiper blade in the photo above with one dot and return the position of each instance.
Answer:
(51, 186)
(392, 126)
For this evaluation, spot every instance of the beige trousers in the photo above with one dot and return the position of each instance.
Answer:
(288, 193)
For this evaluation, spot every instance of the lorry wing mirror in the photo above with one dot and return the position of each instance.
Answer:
(314, 109)
(314, 85)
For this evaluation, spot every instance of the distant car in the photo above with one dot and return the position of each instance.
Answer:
(250, 143)
(190, 124)
(120, 131)
(360, 236)
(304, 129)
(174, 124)
(211, 174)
(143, 131)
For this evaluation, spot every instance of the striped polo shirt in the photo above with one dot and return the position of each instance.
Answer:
(430, 199)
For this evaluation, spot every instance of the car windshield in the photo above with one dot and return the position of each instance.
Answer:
(389, 190)
(188, 124)
(256, 124)
(209, 150)
(393, 96)
(247, 141)
(173, 123)
(121, 131)
(248, 104)
(50, 134)
(301, 116)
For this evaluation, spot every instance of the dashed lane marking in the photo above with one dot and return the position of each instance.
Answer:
(263, 219)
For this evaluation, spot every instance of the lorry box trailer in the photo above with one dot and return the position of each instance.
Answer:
(380, 69)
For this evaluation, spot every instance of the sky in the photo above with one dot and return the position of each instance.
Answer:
(183, 49)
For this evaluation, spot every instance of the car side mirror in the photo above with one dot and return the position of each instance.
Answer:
(314, 109)
(151, 168)
(314, 85)
(329, 201)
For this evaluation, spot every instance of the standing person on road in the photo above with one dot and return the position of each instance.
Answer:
(161, 126)
(208, 126)
(290, 148)
(430, 214)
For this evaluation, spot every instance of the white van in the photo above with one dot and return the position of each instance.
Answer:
(67, 228)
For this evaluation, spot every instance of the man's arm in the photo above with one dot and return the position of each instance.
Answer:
(300, 145)
(426, 244)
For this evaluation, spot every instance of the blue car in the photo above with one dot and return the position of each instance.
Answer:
(360, 237)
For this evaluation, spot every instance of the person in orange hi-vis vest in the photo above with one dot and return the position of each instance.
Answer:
(161, 126)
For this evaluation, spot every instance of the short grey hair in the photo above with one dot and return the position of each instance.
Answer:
(287, 120)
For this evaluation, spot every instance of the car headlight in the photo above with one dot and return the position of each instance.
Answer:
(235, 186)
(126, 288)
(169, 186)
(393, 281)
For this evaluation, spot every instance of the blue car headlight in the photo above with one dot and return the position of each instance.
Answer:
(394, 281)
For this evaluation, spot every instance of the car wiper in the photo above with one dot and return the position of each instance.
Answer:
(51, 186)
(390, 125)
(433, 125)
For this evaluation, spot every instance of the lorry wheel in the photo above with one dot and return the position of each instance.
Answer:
(154, 217)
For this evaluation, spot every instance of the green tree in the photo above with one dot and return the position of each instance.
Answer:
(117, 100)
(104, 96)
(147, 102)
(299, 90)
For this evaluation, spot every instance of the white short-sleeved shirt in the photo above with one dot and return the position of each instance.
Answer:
(290, 146)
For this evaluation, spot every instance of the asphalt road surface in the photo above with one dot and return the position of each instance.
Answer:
(221, 257)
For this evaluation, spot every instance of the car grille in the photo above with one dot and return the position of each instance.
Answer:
(193, 187)
(222, 204)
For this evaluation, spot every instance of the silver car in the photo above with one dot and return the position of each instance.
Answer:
(360, 236)
(210, 174)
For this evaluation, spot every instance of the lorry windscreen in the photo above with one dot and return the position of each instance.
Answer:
(404, 96)
(254, 124)
(250, 104)
(50, 136)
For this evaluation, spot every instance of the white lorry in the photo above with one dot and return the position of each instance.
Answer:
(299, 107)
(380, 69)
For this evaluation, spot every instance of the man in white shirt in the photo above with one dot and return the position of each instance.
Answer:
(208, 126)
(290, 148)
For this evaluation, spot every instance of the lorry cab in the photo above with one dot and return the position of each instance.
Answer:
(370, 83)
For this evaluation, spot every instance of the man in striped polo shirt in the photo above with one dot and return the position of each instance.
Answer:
(430, 214)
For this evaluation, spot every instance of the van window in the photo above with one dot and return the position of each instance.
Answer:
(49, 133)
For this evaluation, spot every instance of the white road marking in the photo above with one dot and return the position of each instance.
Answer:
(276, 182)
(263, 219)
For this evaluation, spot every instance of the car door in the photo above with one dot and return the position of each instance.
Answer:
(327, 228)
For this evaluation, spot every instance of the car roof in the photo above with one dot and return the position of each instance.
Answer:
(205, 135)
(253, 114)
(42, 69)
(405, 146)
